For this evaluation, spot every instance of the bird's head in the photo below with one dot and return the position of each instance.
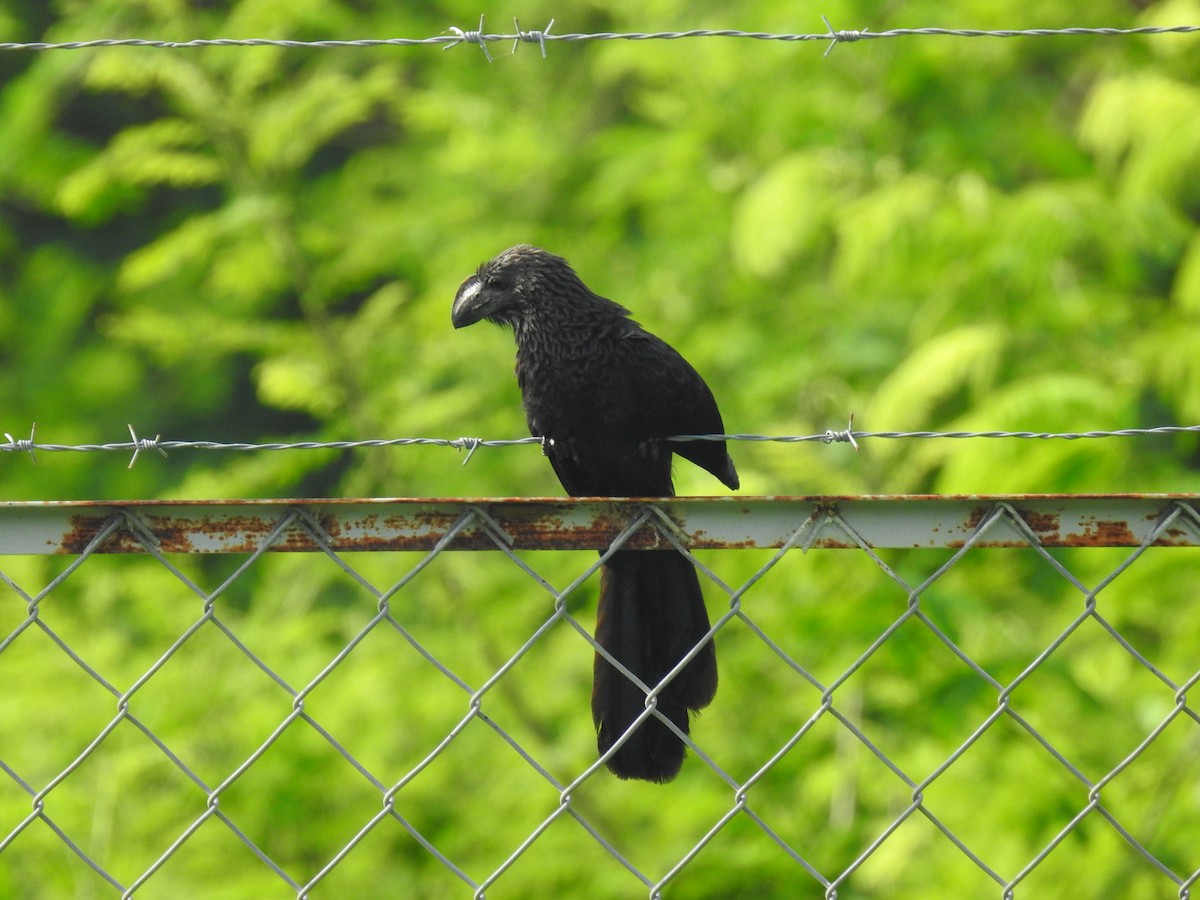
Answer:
(505, 289)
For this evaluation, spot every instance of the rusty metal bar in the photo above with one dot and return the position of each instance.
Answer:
(239, 526)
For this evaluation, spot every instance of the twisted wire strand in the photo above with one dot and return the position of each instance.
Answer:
(137, 445)
(456, 36)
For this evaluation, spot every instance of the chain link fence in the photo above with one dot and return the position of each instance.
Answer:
(957, 697)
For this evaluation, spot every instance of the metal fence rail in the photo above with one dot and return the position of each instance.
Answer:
(176, 539)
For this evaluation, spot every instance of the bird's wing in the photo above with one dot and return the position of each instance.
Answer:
(672, 399)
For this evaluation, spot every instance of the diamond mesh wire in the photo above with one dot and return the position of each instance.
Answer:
(978, 722)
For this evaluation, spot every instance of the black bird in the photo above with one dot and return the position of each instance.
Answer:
(602, 391)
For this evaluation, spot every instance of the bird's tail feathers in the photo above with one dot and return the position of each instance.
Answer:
(651, 614)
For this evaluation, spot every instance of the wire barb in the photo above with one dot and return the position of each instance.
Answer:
(531, 36)
(841, 37)
(140, 444)
(470, 37)
(845, 437)
(470, 444)
(26, 445)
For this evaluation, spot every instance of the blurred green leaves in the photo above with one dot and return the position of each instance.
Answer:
(253, 244)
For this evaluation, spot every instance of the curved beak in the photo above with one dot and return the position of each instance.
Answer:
(468, 306)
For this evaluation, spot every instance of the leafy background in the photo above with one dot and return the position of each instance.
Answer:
(261, 244)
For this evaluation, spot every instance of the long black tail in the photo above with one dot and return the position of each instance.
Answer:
(651, 614)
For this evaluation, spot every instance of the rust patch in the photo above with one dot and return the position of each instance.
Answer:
(1047, 526)
(1104, 533)
(526, 525)
(532, 523)
(976, 516)
(702, 541)
(176, 536)
(1041, 522)
(232, 534)
(83, 530)
(172, 537)
(1174, 537)
(832, 543)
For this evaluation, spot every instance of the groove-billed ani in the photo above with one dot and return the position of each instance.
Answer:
(602, 390)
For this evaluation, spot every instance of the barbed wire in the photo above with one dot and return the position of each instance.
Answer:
(455, 36)
(137, 445)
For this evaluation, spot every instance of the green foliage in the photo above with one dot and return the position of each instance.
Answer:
(259, 244)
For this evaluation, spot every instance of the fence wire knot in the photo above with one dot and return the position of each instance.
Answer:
(844, 437)
(469, 37)
(538, 37)
(26, 445)
(841, 37)
(140, 444)
(470, 444)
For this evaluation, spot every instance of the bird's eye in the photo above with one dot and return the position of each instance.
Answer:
(497, 282)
